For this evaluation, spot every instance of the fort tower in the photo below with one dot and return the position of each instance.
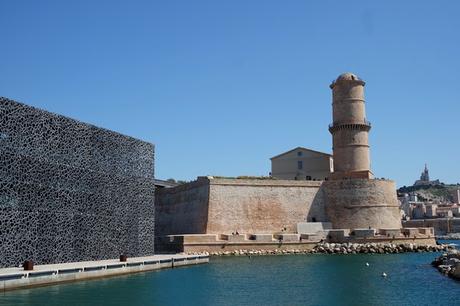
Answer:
(353, 198)
(349, 128)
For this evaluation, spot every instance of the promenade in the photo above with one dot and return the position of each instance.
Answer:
(17, 277)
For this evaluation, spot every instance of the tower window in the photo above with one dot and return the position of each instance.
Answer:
(299, 165)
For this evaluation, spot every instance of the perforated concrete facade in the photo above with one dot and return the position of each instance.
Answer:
(70, 191)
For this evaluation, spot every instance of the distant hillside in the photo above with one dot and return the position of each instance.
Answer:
(440, 193)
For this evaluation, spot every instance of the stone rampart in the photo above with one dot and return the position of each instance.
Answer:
(262, 206)
(360, 203)
(182, 209)
(222, 206)
(219, 206)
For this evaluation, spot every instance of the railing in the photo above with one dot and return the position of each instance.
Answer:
(335, 124)
(365, 125)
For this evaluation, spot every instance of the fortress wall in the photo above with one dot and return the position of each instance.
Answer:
(262, 206)
(182, 209)
(218, 206)
(360, 203)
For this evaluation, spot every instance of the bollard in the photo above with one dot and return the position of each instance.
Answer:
(28, 265)
(123, 258)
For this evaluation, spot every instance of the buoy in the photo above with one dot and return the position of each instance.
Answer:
(384, 274)
(367, 264)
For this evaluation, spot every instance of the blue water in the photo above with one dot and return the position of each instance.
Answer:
(266, 280)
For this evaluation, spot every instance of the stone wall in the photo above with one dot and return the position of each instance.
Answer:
(217, 206)
(223, 206)
(70, 191)
(262, 206)
(360, 203)
(182, 209)
(441, 226)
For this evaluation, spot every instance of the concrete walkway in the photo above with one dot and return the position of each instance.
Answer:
(15, 278)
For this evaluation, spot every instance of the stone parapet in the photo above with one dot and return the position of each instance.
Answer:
(312, 227)
(365, 174)
(363, 232)
(410, 232)
(260, 182)
(261, 237)
(211, 243)
(338, 235)
(287, 237)
(390, 232)
(233, 238)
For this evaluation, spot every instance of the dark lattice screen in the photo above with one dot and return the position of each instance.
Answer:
(70, 191)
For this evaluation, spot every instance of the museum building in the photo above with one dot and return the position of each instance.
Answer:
(70, 191)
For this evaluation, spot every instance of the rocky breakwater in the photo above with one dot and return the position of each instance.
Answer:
(376, 248)
(342, 248)
(450, 236)
(449, 264)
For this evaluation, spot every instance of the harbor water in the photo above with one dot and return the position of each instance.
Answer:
(264, 280)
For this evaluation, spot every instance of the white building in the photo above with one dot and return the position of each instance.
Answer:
(456, 196)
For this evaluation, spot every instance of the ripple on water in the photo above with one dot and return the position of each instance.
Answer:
(264, 280)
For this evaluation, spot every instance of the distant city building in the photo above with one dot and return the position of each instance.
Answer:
(415, 209)
(404, 205)
(409, 203)
(425, 179)
(418, 210)
(456, 196)
(302, 164)
(445, 212)
(431, 210)
(455, 210)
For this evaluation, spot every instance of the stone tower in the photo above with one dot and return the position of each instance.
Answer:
(349, 128)
(353, 197)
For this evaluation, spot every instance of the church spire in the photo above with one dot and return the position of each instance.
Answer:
(425, 177)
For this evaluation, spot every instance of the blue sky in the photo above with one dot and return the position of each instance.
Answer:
(222, 86)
